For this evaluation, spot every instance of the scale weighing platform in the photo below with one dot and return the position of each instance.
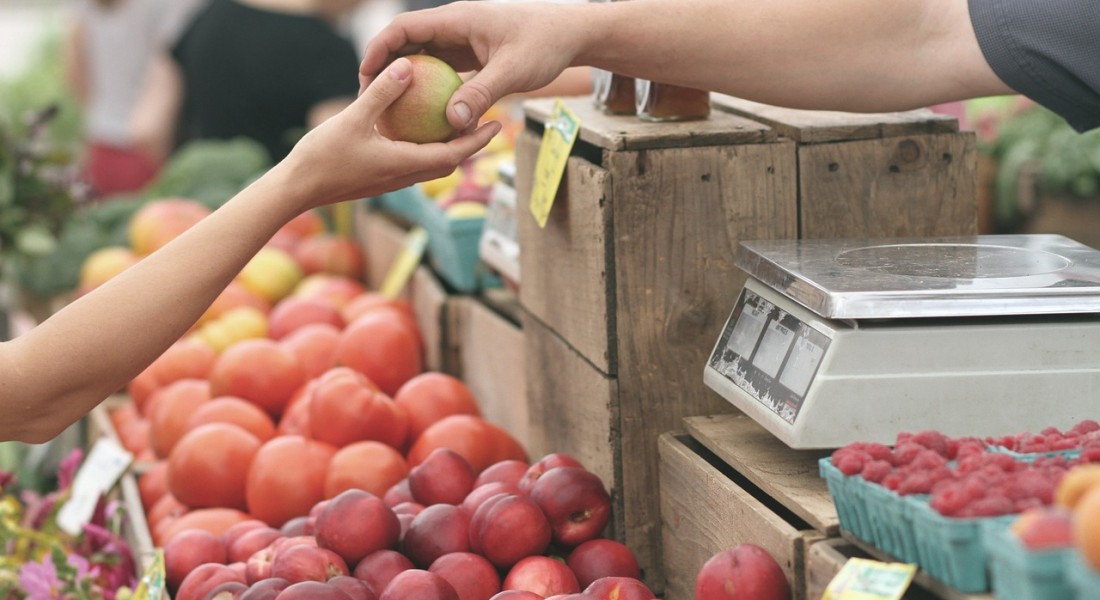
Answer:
(837, 341)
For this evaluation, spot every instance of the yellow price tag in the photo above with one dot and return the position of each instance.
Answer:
(865, 579)
(405, 263)
(151, 586)
(557, 140)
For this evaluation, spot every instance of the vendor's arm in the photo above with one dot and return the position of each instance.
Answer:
(54, 374)
(855, 55)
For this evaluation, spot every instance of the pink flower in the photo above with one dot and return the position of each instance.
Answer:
(40, 581)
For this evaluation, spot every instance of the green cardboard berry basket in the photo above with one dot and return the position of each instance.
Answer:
(891, 517)
(454, 250)
(1084, 580)
(952, 550)
(849, 496)
(1018, 573)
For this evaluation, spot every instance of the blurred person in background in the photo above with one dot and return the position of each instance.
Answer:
(108, 49)
(268, 70)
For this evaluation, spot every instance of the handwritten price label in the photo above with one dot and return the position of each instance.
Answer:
(557, 141)
(863, 579)
(405, 263)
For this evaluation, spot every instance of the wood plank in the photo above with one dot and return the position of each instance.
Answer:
(567, 281)
(628, 132)
(491, 355)
(680, 215)
(790, 476)
(820, 126)
(893, 187)
(381, 239)
(704, 512)
(429, 301)
(572, 409)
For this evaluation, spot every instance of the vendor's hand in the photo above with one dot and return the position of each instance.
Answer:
(512, 48)
(346, 158)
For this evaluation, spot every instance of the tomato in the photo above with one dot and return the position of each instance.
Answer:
(429, 397)
(315, 347)
(371, 466)
(209, 464)
(287, 478)
(480, 442)
(153, 483)
(236, 411)
(215, 520)
(170, 408)
(258, 370)
(384, 346)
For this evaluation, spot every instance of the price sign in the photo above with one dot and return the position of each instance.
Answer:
(864, 579)
(101, 469)
(405, 263)
(557, 141)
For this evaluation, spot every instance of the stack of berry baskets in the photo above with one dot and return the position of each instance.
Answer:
(931, 499)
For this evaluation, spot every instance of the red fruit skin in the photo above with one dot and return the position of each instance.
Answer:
(485, 491)
(516, 595)
(444, 477)
(418, 584)
(437, 530)
(506, 471)
(355, 588)
(398, 493)
(542, 575)
(575, 502)
(199, 582)
(544, 464)
(307, 563)
(356, 523)
(312, 590)
(618, 588)
(265, 589)
(189, 549)
(602, 558)
(471, 575)
(251, 542)
(379, 568)
(744, 571)
(507, 528)
(238, 529)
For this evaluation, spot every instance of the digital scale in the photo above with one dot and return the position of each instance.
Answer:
(837, 341)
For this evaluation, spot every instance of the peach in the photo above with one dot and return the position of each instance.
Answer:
(544, 464)
(252, 541)
(204, 578)
(444, 477)
(419, 584)
(542, 575)
(619, 588)
(312, 590)
(356, 523)
(507, 528)
(355, 588)
(744, 571)
(575, 502)
(303, 562)
(482, 493)
(471, 575)
(437, 530)
(602, 558)
(419, 115)
(189, 549)
(379, 568)
(507, 471)
(265, 589)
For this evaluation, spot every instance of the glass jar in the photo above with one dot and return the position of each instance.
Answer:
(613, 93)
(665, 102)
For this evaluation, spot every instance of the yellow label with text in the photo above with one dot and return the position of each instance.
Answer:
(557, 141)
(151, 585)
(864, 579)
(405, 263)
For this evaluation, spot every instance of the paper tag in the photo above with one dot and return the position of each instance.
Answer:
(865, 579)
(405, 263)
(101, 469)
(151, 585)
(557, 140)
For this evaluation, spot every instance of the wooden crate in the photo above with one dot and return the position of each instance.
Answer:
(490, 357)
(633, 273)
(707, 507)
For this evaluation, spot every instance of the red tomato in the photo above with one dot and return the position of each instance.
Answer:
(287, 478)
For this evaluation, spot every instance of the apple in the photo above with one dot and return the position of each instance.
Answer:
(471, 575)
(437, 530)
(303, 562)
(575, 502)
(187, 550)
(506, 471)
(744, 571)
(444, 477)
(418, 584)
(602, 558)
(544, 464)
(419, 115)
(356, 523)
(542, 575)
(264, 589)
(204, 578)
(379, 568)
(312, 590)
(507, 528)
(619, 588)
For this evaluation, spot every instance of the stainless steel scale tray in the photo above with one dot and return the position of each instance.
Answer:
(971, 276)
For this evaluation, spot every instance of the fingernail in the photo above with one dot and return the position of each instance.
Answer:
(400, 69)
(463, 112)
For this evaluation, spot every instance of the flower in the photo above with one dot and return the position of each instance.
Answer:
(40, 581)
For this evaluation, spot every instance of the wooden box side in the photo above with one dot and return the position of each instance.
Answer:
(823, 561)
(491, 357)
(572, 408)
(909, 186)
(381, 239)
(566, 266)
(678, 217)
(432, 308)
(704, 511)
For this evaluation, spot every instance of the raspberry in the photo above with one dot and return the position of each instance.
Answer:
(850, 464)
(892, 481)
(916, 483)
(906, 453)
(876, 470)
(928, 460)
(878, 451)
(933, 440)
(1031, 484)
(1049, 432)
(949, 500)
(989, 506)
(1086, 426)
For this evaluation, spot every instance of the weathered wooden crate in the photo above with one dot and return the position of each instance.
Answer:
(632, 278)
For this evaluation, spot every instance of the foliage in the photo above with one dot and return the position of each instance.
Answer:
(40, 560)
(1067, 162)
(210, 171)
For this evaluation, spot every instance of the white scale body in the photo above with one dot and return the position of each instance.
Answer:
(837, 341)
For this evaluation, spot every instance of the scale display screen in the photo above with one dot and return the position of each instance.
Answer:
(770, 354)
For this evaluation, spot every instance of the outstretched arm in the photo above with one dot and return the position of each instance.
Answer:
(54, 374)
(854, 55)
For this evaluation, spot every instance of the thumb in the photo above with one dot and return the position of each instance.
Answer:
(474, 97)
(386, 87)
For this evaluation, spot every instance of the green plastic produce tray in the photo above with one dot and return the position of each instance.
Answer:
(1018, 573)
